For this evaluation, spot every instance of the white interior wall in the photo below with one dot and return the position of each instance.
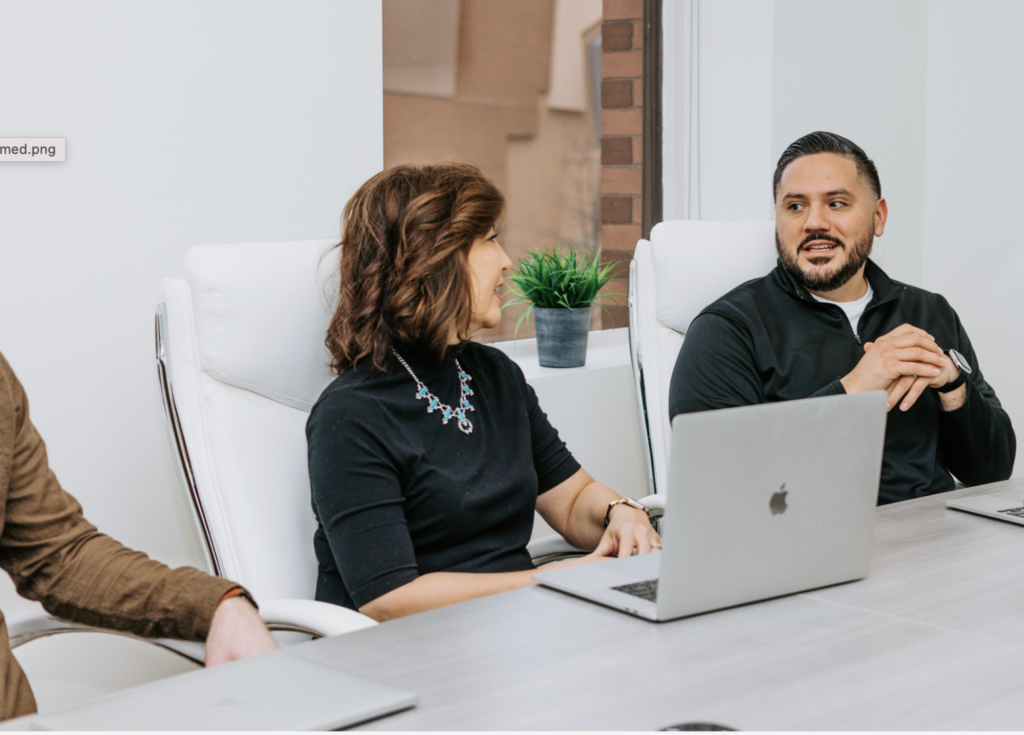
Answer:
(859, 70)
(764, 78)
(974, 157)
(186, 122)
(732, 77)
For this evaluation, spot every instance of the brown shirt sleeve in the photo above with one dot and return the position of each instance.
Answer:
(57, 557)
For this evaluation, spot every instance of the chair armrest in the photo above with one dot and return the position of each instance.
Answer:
(549, 549)
(37, 623)
(654, 502)
(320, 619)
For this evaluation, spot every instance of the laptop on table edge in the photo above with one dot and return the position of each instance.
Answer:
(762, 501)
(1001, 500)
(274, 691)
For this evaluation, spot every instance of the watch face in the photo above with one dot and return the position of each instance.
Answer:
(961, 361)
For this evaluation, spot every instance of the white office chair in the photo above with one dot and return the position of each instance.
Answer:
(241, 359)
(684, 267)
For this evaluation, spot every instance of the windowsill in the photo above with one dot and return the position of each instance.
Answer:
(606, 348)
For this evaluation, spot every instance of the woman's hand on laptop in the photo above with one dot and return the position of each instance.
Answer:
(236, 632)
(577, 509)
(629, 531)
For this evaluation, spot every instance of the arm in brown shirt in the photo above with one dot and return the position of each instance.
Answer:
(57, 557)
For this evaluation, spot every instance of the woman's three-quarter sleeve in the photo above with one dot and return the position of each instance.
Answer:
(357, 496)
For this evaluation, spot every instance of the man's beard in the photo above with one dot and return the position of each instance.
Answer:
(825, 283)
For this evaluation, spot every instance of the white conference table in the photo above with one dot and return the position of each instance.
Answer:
(928, 641)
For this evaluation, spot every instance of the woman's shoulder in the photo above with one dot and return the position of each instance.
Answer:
(350, 393)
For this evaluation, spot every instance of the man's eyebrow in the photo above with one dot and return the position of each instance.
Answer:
(833, 193)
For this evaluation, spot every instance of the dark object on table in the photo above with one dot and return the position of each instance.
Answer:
(697, 727)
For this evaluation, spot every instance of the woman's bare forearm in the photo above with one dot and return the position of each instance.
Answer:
(442, 588)
(585, 523)
(446, 588)
(577, 509)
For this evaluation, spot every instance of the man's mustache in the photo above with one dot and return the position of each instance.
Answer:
(817, 238)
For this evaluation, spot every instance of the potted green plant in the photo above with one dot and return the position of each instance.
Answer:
(560, 287)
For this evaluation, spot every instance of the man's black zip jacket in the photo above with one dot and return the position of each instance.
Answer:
(769, 340)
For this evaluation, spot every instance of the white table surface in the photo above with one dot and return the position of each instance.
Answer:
(928, 641)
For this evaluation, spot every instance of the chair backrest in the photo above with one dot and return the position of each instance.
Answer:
(685, 266)
(240, 346)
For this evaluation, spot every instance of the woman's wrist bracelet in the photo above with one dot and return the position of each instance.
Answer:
(631, 503)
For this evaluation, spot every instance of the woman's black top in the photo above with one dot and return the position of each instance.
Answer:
(398, 494)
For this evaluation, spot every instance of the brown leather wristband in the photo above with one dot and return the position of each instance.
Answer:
(239, 592)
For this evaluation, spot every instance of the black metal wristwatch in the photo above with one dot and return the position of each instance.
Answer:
(962, 365)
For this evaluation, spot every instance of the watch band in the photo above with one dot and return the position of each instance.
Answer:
(631, 503)
(963, 370)
(953, 384)
(244, 594)
(239, 592)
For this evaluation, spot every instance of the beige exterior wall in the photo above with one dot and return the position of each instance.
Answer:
(522, 109)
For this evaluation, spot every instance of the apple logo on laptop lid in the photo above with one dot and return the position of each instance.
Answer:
(778, 501)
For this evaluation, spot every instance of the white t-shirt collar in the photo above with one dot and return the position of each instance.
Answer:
(853, 309)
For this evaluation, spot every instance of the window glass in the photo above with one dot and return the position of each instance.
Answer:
(513, 87)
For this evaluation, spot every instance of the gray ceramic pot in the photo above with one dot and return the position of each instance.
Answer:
(562, 336)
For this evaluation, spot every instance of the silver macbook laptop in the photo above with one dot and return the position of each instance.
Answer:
(762, 501)
(276, 691)
(1004, 500)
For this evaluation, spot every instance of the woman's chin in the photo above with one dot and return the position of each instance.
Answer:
(487, 322)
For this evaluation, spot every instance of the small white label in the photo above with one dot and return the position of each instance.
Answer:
(49, 150)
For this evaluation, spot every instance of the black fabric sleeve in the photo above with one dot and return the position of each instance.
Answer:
(357, 496)
(835, 388)
(552, 460)
(978, 441)
(716, 368)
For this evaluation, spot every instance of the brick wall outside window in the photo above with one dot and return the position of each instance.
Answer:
(621, 144)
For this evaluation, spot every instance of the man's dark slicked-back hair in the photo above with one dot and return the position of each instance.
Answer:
(822, 142)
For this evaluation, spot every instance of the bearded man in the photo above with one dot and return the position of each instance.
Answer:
(828, 321)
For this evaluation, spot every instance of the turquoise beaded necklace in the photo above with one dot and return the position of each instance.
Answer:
(434, 403)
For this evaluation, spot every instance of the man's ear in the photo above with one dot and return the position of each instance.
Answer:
(881, 215)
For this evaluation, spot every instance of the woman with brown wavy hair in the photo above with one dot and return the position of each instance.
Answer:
(429, 453)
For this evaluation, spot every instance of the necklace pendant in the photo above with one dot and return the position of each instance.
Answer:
(434, 403)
